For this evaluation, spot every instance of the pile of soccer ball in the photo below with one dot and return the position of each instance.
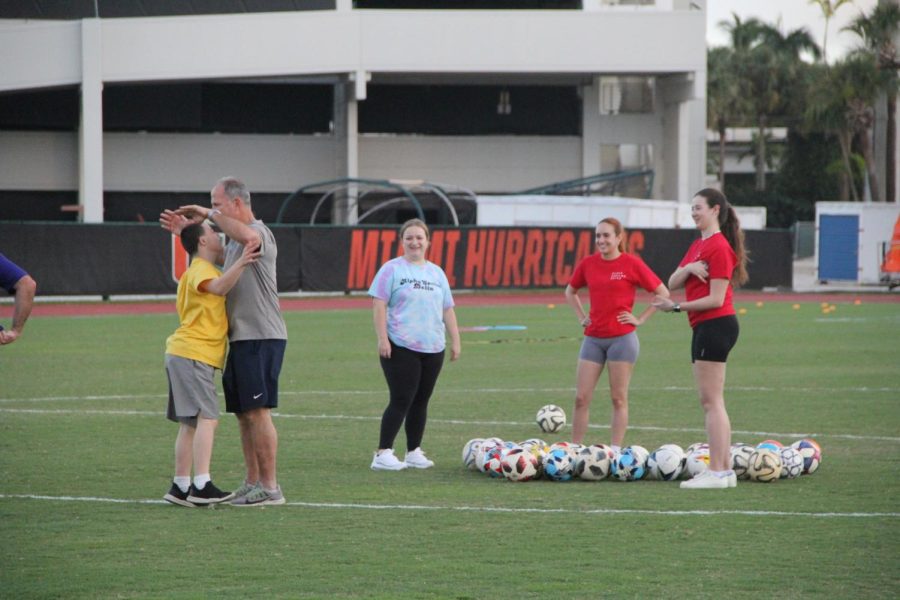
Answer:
(564, 461)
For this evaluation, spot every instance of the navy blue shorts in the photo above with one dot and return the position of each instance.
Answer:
(250, 378)
(714, 339)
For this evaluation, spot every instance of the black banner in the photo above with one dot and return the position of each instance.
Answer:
(74, 259)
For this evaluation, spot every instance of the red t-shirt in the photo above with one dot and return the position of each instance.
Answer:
(612, 285)
(717, 253)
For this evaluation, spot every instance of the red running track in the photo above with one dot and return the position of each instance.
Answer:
(474, 299)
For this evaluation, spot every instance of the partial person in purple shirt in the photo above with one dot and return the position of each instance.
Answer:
(16, 282)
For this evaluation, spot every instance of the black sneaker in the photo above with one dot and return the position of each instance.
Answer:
(210, 494)
(176, 496)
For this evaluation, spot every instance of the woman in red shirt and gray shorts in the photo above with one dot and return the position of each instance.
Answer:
(612, 278)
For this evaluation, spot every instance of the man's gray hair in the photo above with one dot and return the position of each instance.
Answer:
(235, 188)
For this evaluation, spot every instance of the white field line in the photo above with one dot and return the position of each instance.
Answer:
(549, 390)
(323, 417)
(494, 509)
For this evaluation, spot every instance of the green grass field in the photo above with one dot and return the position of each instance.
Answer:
(86, 455)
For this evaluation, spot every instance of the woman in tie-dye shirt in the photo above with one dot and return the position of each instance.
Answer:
(412, 307)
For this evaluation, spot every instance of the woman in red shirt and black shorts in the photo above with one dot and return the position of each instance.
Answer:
(712, 265)
(612, 277)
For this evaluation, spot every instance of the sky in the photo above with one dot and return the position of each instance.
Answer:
(794, 14)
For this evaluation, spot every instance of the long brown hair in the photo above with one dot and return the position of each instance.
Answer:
(730, 226)
(618, 229)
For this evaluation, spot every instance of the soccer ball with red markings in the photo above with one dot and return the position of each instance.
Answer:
(519, 464)
(484, 453)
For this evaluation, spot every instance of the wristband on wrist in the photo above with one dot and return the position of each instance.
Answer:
(676, 307)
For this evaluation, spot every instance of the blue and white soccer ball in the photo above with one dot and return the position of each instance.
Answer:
(592, 463)
(630, 464)
(773, 445)
(558, 464)
(666, 463)
(470, 453)
(551, 418)
(791, 463)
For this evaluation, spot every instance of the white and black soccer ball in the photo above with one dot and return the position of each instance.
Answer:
(690, 449)
(558, 464)
(470, 453)
(519, 465)
(592, 463)
(791, 463)
(551, 418)
(765, 466)
(666, 463)
(740, 459)
(629, 465)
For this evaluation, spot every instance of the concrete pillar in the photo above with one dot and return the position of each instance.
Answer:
(683, 99)
(346, 134)
(90, 131)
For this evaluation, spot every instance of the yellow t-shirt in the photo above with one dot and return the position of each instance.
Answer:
(204, 326)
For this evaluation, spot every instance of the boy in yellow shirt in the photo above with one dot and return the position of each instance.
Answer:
(193, 353)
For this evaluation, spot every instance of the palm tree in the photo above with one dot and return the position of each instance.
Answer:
(826, 111)
(877, 32)
(828, 7)
(725, 100)
(863, 83)
(771, 67)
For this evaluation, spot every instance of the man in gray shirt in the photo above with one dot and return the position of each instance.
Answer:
(256, 333)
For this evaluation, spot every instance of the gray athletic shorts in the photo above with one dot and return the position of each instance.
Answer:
(192, 390)
(624, 348)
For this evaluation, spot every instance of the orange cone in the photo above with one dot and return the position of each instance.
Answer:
(892, 259)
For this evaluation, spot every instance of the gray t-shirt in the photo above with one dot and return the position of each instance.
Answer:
(252, 304)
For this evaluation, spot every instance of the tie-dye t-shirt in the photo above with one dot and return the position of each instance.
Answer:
(416, 297)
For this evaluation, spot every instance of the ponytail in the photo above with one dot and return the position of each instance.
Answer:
(730, 226)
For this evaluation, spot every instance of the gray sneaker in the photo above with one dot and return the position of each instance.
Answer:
(245, 489)
(259, 496)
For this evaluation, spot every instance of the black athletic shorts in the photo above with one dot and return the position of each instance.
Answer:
(714, 339)
(250, 378)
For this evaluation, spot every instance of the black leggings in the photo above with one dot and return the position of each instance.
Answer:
(410, 377)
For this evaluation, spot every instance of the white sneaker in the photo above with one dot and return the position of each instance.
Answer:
(386, 461)
(707, 481)
(417, 460)
(731, 478)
